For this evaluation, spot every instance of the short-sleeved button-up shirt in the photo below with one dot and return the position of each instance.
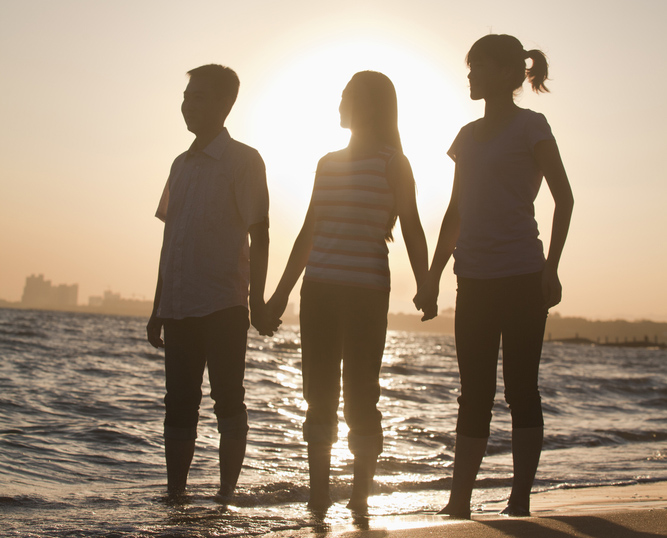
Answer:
(210, 200)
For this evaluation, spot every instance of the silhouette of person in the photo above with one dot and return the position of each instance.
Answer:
(505, 285)
(358, 194)
(216, 195)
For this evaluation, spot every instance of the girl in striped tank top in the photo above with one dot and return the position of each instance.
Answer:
(359, 193)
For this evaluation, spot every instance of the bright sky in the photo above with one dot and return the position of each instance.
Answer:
(90, 123)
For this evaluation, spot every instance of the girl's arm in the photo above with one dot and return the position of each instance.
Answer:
(295, 265)
(549, 160)
(400, 177)
(427, 296)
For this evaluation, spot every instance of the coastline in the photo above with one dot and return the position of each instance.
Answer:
(639, 334)
(619, 511)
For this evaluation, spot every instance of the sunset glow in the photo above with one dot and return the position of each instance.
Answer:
(91, 123)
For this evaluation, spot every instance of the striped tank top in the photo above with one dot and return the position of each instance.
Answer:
(352, 204)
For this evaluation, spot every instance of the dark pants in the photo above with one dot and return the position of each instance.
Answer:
(219, 341)
(343, 324)
(513, 308)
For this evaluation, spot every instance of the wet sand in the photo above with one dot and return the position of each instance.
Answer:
(633, 511)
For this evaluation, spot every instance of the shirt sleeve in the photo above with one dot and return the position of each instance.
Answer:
(163, 205)
(538, 129)
(161, 212)
(251, 191)
(455, 149)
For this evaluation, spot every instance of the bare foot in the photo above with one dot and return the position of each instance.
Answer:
(358, 506)
(319, 503)
(225, 494)
(513, 510)
(454, 513)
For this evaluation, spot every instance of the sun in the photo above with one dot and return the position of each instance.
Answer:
(294, 118)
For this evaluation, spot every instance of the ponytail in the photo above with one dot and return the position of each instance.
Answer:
(539, 72)
(508, 51)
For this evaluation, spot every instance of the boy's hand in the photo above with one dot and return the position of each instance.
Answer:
(154, 331)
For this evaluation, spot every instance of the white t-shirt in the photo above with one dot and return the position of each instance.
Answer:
(210, 200)
(498, 182)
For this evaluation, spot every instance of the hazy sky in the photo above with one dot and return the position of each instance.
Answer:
(90, 123)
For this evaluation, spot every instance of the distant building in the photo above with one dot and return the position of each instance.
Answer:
(113, 303)
(40, 293)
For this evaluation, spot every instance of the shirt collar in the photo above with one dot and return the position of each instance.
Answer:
(216, 147)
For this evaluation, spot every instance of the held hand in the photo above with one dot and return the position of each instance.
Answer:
(426, 299)
(277, 304)
(261, 319)
(154, 331)
(430, 311)
(552, 291)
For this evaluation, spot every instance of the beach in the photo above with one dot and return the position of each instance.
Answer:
(631, 511)
(82, 453)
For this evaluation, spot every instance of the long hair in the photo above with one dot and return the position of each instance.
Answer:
(508, 52)
(385, 117)
(384, 120)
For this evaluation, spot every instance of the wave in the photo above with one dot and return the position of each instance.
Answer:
(81, 410)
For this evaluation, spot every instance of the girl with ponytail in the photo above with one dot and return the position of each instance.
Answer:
(505, 284)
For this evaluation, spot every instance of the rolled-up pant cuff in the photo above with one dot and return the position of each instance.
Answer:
(175, 432)
(365, 444)
(315, 433)
(234, 427)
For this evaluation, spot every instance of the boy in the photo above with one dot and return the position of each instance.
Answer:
(216, 195)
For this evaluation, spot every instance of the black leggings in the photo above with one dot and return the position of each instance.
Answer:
(513, 308)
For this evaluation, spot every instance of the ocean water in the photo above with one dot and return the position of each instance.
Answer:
(81, 451)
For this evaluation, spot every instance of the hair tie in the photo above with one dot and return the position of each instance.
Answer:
(526, 54)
